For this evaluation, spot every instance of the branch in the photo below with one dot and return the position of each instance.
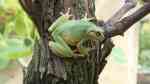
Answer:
(26, 4)
(34, 10)
(124, 24)
(129, 4)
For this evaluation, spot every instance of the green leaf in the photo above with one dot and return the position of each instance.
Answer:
(15, 49)
(2, 28)
(144, 52)
(3, 62)
(2, 41)
(145, 58)
(2, 2)
(9, 27)
(28, 42)
(16, 52)
(12, 4)
(20, 24)
(16, 32)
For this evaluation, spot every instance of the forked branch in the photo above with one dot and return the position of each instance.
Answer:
(124, 24)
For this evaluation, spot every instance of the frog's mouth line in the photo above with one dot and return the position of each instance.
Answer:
(72, 47)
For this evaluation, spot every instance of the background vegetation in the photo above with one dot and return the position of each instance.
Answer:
(17, 32)
(144, 53)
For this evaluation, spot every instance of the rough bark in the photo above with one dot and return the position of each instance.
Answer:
(47, 68)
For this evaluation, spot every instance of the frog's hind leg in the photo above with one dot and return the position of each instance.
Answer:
(82, 49)
(60, 50)
(61, 47)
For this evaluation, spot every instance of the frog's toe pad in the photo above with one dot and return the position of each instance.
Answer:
(79, 56)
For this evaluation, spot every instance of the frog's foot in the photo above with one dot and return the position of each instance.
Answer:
(78, 56)
(67, 14)
(85, 16)
(76, 50)
(88, 19)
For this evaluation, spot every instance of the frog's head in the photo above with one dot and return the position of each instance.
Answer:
(96, 33)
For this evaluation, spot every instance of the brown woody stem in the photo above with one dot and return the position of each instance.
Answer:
(124, 24)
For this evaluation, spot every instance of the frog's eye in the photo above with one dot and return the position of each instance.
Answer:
(98, 34)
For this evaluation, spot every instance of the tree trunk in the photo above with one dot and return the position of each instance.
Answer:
(47, 68)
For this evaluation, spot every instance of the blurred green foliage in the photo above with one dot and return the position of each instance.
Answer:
(17, 32)
(144, 53)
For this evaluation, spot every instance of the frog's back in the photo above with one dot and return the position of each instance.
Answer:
(76, 26)
(73, 31)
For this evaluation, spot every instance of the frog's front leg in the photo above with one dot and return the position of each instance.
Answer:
(82, 49)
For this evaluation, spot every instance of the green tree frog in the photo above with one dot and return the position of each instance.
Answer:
(67, 33)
